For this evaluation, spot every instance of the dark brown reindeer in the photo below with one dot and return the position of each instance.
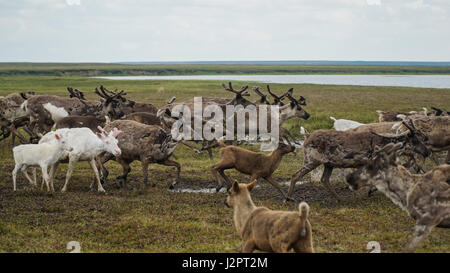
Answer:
(13, 116)
(425, 197)
(129, 105)
(145, 143)
(91, 122)
(344, 149)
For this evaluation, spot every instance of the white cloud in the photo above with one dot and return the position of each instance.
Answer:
(161, 30)
(373, 2)
(73, 2)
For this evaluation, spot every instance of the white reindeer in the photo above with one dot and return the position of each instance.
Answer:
(345, 124)
(43, 155)
(86, 147)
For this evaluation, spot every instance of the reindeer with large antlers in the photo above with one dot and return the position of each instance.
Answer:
(45, 110)
(426, 197)
(129, 105)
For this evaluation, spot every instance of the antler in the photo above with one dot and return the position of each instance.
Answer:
(277, 99)
(291, 98)
(100, 94)
(172, 100)
(111, 92)
(72, 94)
(302, 101)
(230, 88)
(257, 91)
(80, 94)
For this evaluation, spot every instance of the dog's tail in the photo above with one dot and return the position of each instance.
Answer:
(304, 212)
(332, 118)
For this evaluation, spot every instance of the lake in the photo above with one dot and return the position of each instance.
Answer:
(425, 81)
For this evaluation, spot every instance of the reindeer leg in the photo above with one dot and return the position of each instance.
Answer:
(435, 158)
(16, 133)
(278, 187)
(326, 180)
(46, 177)
(420, 232)
(144, 163)
(101, 160)
(25, 172)
(191, 146)
(219, 168)
(53, 170)
(94, 168)
(308, 167)
(72, 161)
(126, 170)
(168, 162)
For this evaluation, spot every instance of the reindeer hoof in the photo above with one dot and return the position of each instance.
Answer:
(288, 199)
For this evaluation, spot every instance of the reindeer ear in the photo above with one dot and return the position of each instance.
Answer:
(235, 187)
(251, 186)
(99, 135)
(116, 132)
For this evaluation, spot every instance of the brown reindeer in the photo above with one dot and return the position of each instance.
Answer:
(45, 110)
(91, 122)
(145, 143)
(344, 149)
(257, 165)
(426, 197)
(129, 105)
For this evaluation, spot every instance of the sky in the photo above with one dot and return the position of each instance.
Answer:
(223, 30)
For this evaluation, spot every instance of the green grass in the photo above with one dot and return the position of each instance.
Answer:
(157, 220)
(103, 69)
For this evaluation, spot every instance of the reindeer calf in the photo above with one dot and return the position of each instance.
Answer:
(258, 165)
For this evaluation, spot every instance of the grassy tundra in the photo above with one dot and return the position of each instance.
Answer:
(157, 220)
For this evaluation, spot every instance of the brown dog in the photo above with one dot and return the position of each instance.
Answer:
(269, 230)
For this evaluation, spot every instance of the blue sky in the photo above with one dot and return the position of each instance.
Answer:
(202, 30)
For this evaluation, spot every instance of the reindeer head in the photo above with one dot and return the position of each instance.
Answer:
(64, 143)
(284, 147)
(411, 139)
(376, 166)
(113, 104)
(110, 141)
(296, 106)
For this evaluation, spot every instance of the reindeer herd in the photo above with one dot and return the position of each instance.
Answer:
(388, 156)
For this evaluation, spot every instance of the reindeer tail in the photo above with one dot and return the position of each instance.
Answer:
(304, 212)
